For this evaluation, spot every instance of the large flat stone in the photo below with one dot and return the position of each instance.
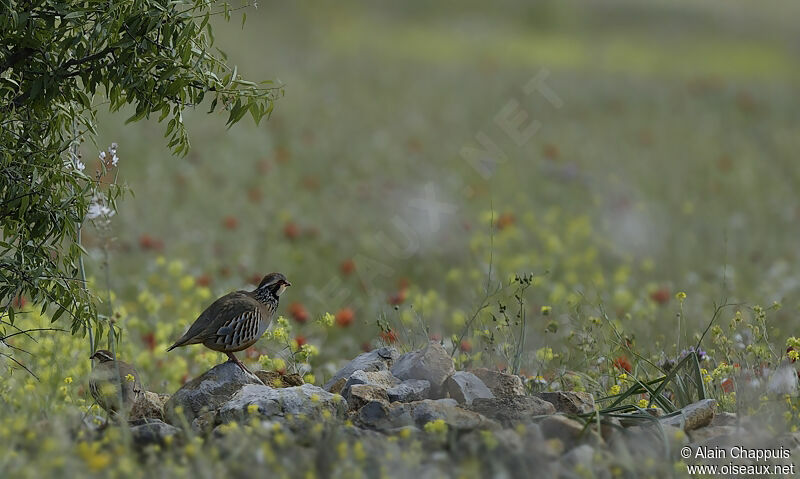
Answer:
(512, 410)
(465, 387)
(431, 363)
(375, 360)
(207, 392)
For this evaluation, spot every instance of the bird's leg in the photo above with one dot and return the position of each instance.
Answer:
(239, 363)
(244, 368)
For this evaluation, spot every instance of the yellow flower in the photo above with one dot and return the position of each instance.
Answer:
(614, 390)
(175, 267)
(129, 377)
(358, 451)
(186, 283)
(309, 378)
(643, 403)
(680, 296)
(437, 426)
(252, 408)
(278, 364)
(68, 380)
(341, 448)
(545, 354)
(327, 319)
(95, 460)
(546, 310)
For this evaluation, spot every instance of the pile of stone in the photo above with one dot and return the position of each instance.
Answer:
(382, 393)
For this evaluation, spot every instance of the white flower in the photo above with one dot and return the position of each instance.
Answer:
(114, 160)
(102, 155)
(98, 209)
(79, 165)
(783, 381)
(113, 148)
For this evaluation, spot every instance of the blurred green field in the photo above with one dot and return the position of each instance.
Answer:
(676, 143)
(670, 166)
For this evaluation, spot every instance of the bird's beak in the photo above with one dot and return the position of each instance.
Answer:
(287, 283)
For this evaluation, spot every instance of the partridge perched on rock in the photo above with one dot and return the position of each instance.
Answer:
(235, 321)
(111, 381)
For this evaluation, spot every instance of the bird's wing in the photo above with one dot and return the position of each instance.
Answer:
(237, 322)
(208, 322)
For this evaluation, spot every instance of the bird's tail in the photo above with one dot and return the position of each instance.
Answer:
(178, 343)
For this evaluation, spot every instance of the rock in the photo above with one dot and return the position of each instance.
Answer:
(153, 431)
(360, 394)
(501, 384)
(383, 417)
(148, 405)
(431, 363)
(204, 423)
(647, 440)
(336, 387)
(464, 387)
(447, 410)
(569, 431)
(579, 458)
(513, 409)
(375, 360)
(382, 379)
(475, 443)
(207, 392)
(277, 380)
(306, 400)
(725, 419)
(569, 402)
(389, 417)
(410, 390)
(693, 416)
(609, 426)
(705, 433)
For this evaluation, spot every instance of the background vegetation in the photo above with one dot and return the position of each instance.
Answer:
(666, 165)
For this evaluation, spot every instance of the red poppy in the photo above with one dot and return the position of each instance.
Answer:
(366, 347)
(255, 278)
(298, 312)
(282, 155)
(389, 337)
(466, 346)
(345, 317)
(203, 280)
(347, 267)
(398, 298)
(254, 194)
(727, 385)
(504, 220)
(252, 353)
(623, 363)
(403, 283)
(291, 230)
(147, 242)
(551, 151)
(225, 271)
(660, 296)
(230, 222)
(311, 183)
(300, 340)
(149, 339)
